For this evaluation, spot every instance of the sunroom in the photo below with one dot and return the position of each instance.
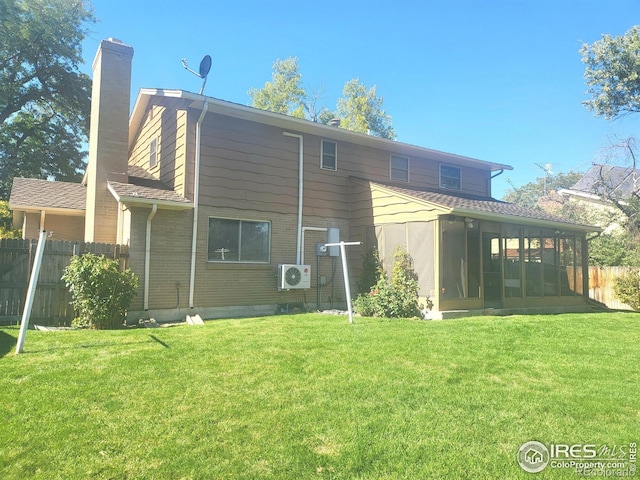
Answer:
(478, 253)
(502, 265)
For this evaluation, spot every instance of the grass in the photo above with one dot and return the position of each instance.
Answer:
(311, 396)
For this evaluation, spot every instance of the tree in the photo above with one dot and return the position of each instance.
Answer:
(44, 98)
(530, 194)
(5, 222)
(359, 110)
(613, 74)
(284, 93)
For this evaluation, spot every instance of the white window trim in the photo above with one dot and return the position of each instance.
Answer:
(266, 262)
(459, 178)
(391, 168)
(322, 156)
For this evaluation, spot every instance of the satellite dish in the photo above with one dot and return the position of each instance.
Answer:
(205, 66)
(203, 71)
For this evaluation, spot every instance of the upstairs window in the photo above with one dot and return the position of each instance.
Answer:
(450, 177)
(328, 155)
(399, 168)
(153, 153)
(240, 241)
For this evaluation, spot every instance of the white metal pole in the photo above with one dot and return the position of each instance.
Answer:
(345, 273)
(31, 292)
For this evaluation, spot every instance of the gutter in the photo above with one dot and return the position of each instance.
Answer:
(286, 122)
(196, 200)
(147, 255)
(300, 192)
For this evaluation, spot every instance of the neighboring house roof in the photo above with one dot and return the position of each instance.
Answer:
(32, 194)
(608, 180)
(143, 189)
(486, 208)
(236, 110)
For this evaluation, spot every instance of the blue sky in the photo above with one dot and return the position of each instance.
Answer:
(497, 80)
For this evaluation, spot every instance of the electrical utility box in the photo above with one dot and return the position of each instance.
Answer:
(333, 236)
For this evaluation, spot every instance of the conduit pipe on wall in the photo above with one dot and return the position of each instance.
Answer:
(147, 255)
(196, 200)
(309, 229)
(300, 192)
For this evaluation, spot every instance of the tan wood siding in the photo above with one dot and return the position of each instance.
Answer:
(167, 122)
(372, 205)
(61, 227)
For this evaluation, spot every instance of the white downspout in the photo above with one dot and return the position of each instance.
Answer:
(300, 192)
(196, 200)
(120, 226)
(147, 255)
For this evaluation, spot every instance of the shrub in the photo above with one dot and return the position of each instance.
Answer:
(394, 298)
(371, 271)
(101, 292)
(627, 288)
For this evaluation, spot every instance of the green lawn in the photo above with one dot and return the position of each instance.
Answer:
(311, 396)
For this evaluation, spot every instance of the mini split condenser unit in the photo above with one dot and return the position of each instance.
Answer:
(294, 276)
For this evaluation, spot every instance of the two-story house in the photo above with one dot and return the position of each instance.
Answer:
(213, 197)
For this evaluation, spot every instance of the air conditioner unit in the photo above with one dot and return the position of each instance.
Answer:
(294, 276)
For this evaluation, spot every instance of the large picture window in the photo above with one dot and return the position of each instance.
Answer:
(238, 241)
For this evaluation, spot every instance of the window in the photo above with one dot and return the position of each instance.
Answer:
(328, 155)
(450, 177)
(399, 167)
(153, 153)
(238, 241)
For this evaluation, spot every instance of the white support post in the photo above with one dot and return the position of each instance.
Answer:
(345, 272)
(31, 292)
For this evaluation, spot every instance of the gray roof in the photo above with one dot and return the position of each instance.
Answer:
(609, 180)
(142, 187)
(133, 193)
(33, 193)
(466, 204)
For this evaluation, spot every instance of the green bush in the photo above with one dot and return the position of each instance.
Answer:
(371, 271)
(627, 288)
(101, 292)
(394, 298)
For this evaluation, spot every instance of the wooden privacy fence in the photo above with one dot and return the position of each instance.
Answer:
(601, 285)
(51, 304)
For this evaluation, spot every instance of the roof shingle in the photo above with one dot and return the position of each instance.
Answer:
(42, 194)
(488, 205)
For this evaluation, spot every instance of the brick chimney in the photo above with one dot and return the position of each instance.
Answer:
(108, 137)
